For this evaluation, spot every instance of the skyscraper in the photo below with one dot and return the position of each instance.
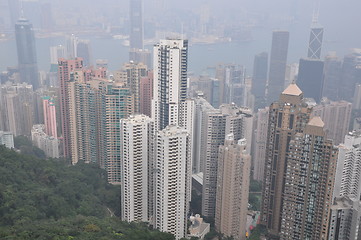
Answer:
(332, 77)
(170, 81)
(315, 43)
(136, 137)
(287, 117)
(25, 44)
(65, 68)
(277, 68)
(216, 125)
(136, 24)
(234, 166)
(310, 78)
(259, 155)
(172, 181)
(260, 71)
(310, 172)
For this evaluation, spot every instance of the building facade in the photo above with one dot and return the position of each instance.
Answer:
(287, 117)
(234, 167)
(309, 180)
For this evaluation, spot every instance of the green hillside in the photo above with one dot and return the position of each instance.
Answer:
(46, 199)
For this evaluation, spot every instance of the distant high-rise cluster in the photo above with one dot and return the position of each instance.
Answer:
(179, 144)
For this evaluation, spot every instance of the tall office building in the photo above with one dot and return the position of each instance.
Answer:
(336, 116)
(216, 125)
(259, 155)
(332, 77)
(260, 71)
(277, 68)
(234, 166)
(310, 171)
(315, 42)
(170, 81)
(136, 24)
(172, 181)
(350, 75)
(27, 60)
(287, 117)
(310, 78)
(136, 137)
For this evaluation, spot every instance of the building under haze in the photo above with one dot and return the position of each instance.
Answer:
(277, 68)
(260, 72)
(310, 78)
(315, 42)
(27, 60)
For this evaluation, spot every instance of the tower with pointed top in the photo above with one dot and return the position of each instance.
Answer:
(316, 37)
(287, 117)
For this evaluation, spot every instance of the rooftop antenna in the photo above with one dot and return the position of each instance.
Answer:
(182, 31)
(316, 13)
(22, 15)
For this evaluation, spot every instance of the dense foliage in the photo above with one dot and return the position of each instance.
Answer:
(46, 199)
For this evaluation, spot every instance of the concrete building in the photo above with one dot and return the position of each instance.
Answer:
(172, 181)
(27, 60)
(346, 208)
(310, 172)
(344, 219)
(136, 137)
(49, 110)
(287, 117)
(170, 81)
(336, 116)
(216, 124)
(131, 74)
(234, 167)
(48, 144)
(198, 228)
(259, 154)
(146, 94)
(7, 139)
(277, 68)
(17, 108)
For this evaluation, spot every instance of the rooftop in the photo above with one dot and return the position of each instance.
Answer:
(317, 122)
(293, 90)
